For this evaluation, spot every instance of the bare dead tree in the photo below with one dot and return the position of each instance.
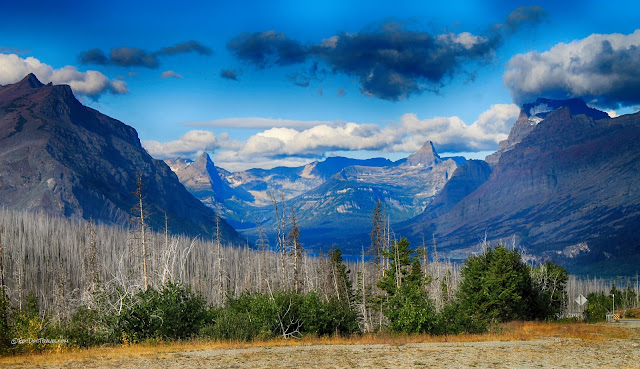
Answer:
(262, 261)
(219, 252)
(143, 226)
(282, 236)
(294, 239)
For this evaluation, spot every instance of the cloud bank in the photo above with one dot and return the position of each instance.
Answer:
(602, 69)
(90, 83)
(390, 62)
(296, 142)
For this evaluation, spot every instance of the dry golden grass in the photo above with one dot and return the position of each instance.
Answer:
(514, 331)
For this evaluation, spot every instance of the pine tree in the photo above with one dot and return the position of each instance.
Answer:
(496, 287)
(408, 306)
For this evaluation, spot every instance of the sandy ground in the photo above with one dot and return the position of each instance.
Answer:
(599, 351)
(548, 353)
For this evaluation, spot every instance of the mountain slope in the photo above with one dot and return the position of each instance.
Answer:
(569, 189)
(63, 158)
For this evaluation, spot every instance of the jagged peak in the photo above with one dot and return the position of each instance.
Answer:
(539, 109)
(30, 80)
(426, 156)
(204, 162)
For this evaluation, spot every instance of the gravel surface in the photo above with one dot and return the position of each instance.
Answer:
(548, 353)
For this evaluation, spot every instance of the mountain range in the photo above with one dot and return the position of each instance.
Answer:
(61, 157)
(563, 186)
(322, 194)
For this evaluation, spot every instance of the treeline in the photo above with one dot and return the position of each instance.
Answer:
(94, 284)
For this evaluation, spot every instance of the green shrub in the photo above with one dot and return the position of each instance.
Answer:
(87, 328)
(173, 312)
(283, 313)
(598, 306)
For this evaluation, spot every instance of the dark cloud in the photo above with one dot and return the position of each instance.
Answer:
(391, 62)
(264, 48)
(229, 74)
(394, 63)
(93, 56)
(603, 70)
(304, 78)
(133, 57)
(186, 47)
(525, 15)
(136, 57)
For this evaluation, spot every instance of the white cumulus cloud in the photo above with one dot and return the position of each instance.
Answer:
(290, 146)
(187, 146)
(603, 69)
(263, 123)
(92, 83)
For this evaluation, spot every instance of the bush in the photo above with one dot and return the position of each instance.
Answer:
(285, 313)
(598, 306)
(86, 328)
(171, 313)
(6, 331)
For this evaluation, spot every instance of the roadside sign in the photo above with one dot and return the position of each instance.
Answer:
(581, 300)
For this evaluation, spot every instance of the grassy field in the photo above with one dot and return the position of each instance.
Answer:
(516, 344)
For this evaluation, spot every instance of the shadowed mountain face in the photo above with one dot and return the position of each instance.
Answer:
(533, 113)
(63, 158)
(568, 190)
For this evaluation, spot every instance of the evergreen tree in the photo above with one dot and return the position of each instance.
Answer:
(496, 287)
(408, 306)
(340, 276)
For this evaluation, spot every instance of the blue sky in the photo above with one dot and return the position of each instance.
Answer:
(287, 82)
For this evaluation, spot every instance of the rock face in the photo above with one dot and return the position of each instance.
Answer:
(574, 179)
(426, 156)
(466, 179)
(203, 179)
(63, 158)
(532, 114)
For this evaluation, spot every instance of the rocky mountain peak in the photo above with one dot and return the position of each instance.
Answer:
(533, 113)
(30, 81)
(204, 163)
(426, 156)
(27, 85)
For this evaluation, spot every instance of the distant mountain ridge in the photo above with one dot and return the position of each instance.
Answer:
(322, 194)
(61, 157)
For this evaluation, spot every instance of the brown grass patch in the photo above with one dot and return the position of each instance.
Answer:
(513, 331)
